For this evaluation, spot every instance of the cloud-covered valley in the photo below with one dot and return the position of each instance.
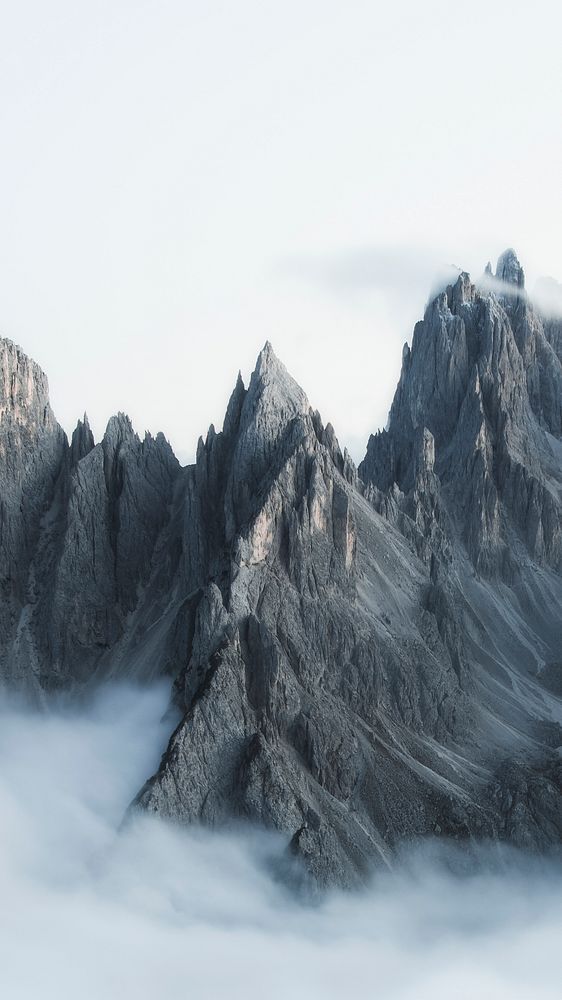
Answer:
(97, 908)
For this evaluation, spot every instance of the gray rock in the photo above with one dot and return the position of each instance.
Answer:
(484, 378)
(358, 658)
(32, 455)
(79, 530)
(509, 269)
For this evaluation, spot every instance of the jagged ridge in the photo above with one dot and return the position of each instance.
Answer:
(357, 658)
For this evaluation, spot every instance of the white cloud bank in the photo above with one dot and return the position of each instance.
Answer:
(88, 912)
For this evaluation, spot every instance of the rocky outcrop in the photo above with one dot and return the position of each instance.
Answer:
(117, 502)
(357, 689)
(483, 377)
(79, 528)
(309, 653)
(358, 658)
(32, 455)
(509, 270)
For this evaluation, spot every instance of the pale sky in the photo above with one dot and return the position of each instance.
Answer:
(180, 181)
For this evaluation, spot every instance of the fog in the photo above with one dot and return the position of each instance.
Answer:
(93, 908)
(547, 295)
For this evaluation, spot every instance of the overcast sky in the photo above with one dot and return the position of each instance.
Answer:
(180, 181)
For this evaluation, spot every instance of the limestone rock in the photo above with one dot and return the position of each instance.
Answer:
(358, 656)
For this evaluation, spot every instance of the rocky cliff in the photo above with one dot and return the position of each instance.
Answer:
(484, 378)
(78, 530)
(359, 656)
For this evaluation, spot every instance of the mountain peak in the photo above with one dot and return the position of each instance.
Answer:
(273, 386)
(82, 441)
(267, 359)
(509, 269)
(119, 426)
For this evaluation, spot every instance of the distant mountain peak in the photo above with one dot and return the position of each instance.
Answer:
(267, 357)
(509, 270)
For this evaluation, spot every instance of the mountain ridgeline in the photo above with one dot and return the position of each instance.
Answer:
(359, 656)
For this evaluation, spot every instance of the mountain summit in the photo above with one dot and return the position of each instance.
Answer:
(358, 656)
(509, 269)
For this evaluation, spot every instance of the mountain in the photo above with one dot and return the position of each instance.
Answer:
(484, 378)
(359, 656)
(79, 526)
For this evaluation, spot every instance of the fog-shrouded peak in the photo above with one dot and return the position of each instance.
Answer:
(509, 270)
(484, 376)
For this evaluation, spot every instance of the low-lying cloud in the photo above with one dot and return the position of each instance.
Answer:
(96, 910)
(397, 271)
(547, 294)
(408, 277)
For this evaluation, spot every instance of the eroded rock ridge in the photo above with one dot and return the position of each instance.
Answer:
(359, 656)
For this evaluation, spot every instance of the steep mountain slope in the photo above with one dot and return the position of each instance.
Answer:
(312, 669)
(79, 525)
(486, 381)
(358, 658)
(350, 689)
(32, 454)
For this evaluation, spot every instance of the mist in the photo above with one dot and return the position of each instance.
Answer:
(96, 908)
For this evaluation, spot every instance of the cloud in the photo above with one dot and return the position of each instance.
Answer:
(394, 270)
(547, 294)
(151, 910)
(489, 283)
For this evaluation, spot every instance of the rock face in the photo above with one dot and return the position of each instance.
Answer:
(312, 669)
(484, 377)
(359, 656)
(32, 455)
(78, 530)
